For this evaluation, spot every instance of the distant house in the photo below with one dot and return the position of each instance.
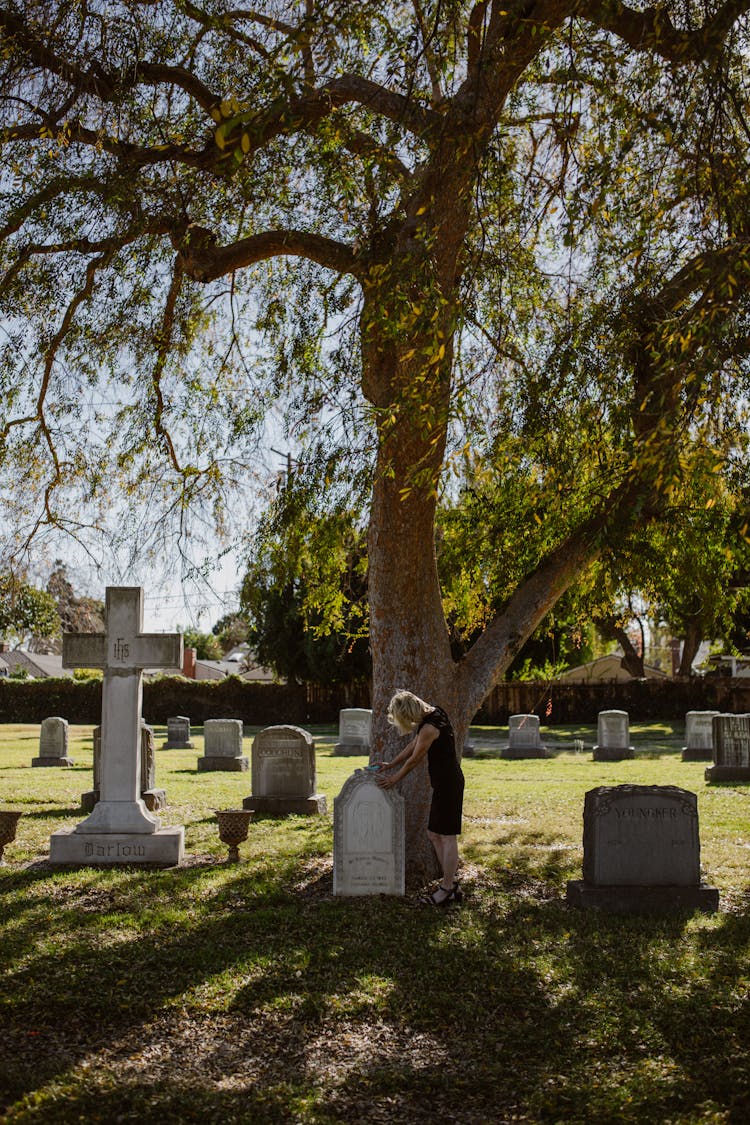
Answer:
(39, 666)
(606, 669)
(238, 662)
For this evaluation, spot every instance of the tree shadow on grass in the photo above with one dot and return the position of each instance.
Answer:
(253, 994)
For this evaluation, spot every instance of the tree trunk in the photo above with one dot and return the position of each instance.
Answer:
(690, 646)
(408, 635)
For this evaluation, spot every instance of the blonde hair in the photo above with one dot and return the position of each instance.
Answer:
(406, 710)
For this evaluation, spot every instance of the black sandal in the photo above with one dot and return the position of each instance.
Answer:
(452, 895)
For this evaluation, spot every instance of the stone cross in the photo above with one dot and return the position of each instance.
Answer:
(122, 652)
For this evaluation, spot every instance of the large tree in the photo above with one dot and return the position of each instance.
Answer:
(529, 216)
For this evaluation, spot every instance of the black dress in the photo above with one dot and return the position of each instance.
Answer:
(446, 778)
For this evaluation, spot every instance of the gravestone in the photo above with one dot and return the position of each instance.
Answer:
(368, 838)
(699, 739)
(284, 773)
(731, 734)
(178, 734)
(53, 743)
(355, 731)
(120, 829)
(524, 739)
(222, 746)
(613, 736)
(641, 852)
(153, 798)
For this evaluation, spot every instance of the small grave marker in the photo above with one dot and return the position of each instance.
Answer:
(699, 739)
(178, 734)
(222, 746)
(53, 743)
(641, 852)
(284, 773)
(355, 731)
(368, 838)
(731, 735)
(613, 736)
(524, 739)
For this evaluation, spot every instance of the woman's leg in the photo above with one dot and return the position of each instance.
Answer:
(446, 849)
(437, 842)
(450, 860)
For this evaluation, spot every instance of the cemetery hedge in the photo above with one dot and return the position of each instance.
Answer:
(30, 701)
(264, 704)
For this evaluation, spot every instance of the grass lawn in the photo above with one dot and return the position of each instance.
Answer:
(247, 993)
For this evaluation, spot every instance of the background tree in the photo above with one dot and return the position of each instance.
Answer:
(518, 224)
(77, 614)
(25, 612)
(207, 646)
(231, 631)
(304, 596)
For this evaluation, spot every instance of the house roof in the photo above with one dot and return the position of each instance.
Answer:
(605, 669)
(39, 666)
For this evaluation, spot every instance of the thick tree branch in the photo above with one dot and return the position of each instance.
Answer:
(534, 597)
(653, 30)
(204, 261)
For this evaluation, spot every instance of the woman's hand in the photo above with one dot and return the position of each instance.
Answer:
(386, 782)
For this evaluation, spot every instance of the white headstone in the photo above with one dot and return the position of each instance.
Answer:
(284, 773)
(613, 736)
(222, 746)
(368, 838)
(355, 731)
(120, 829)
(699, 739)
(524, 738)
(53, 743)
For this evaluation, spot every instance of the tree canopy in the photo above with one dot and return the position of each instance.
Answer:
(421, 233)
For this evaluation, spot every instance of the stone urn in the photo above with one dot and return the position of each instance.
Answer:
(233, 827)
(9, 819)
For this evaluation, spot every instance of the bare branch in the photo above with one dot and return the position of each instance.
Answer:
(163, 348)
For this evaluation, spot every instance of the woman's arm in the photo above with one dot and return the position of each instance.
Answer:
(399, 757)
(417, 749)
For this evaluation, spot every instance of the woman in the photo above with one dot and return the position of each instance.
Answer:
(433, 739)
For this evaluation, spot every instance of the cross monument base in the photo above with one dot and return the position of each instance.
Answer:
(163, 848)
